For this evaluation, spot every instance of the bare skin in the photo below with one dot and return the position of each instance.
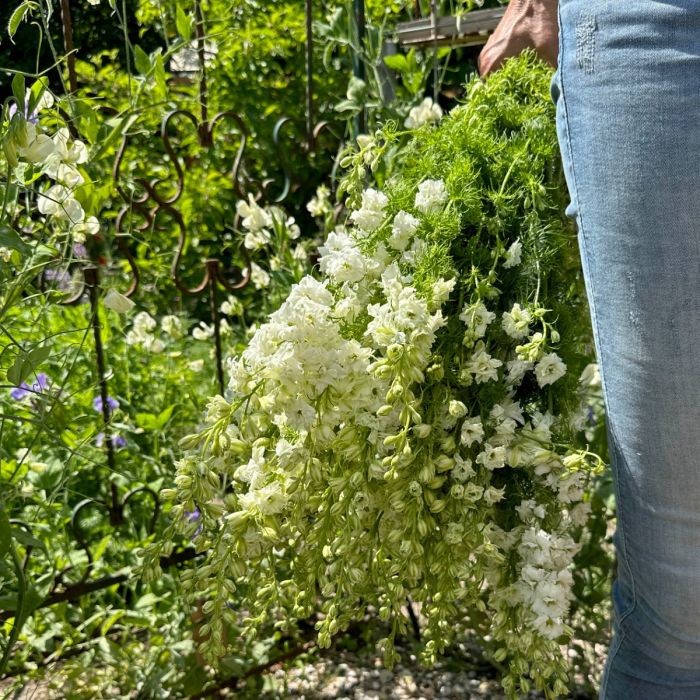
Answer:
(525, 24)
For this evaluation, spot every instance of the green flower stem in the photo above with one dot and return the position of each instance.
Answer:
(19, 613)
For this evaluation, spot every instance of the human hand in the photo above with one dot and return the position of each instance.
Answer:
(525, 24)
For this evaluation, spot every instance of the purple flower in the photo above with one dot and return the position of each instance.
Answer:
(194, 516)
(33, 118)
(23, 390)
(60, 277)
(118, 441)
(591, 416)
(79, 250)
(112, 404)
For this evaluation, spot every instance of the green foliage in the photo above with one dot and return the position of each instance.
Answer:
(335, 475)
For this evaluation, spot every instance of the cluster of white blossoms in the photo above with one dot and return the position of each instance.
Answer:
(259, 223)
(27, 144)
(427, 112)
(343, 427)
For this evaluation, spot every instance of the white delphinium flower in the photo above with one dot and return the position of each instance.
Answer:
(259, 277)
(477, 317)
(320, 205)
(457, 409)
(542, 425)
(483, 366)
(454, 533)
(529, 509)
(342, 260)
(508, 408)
(404, 319)
(505, 432)
(493, 495)
(472, 431)
(299, 353)
(425, 113)
(516, 322)
(549, 369)
(5, 254)
(442, 290)
(431, 195)
(570, 487)
(370, 215)
(256, 221)
(462, 470)
(268, 500)
(546, 583)
(516, 370)
(413, 255)
(580, 512)
(492, 457)
(590, 377)
(402, 231)
(513, 254)
(253, 472)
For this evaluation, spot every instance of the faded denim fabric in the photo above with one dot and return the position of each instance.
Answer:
(627, 93)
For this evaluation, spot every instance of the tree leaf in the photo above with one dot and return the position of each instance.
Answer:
(183, 24)
(17, 16)
(141, 60)
(18, 90)
(396, 62)
(10, 239)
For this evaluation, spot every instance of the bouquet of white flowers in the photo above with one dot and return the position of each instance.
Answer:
(407, 423)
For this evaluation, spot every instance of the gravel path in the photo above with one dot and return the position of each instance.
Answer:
(350, 676)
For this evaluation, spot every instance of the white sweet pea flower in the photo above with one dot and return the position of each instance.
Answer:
(83, 229)
(38, 147)
(320, 205)
(259, 277)
(172, 326)
(203, 331)
(425, 113)
(58, 201)
(117, 302)
(68, 150)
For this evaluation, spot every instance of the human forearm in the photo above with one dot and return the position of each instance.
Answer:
(525, 24)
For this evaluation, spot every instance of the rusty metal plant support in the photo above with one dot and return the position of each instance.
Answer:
(68, 43)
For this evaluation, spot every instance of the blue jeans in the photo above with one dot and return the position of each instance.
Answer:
(627, 94)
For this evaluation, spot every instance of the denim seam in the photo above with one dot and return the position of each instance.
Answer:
(619, 638)
(594, 317)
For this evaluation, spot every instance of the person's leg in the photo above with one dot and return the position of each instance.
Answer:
(627, 91)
